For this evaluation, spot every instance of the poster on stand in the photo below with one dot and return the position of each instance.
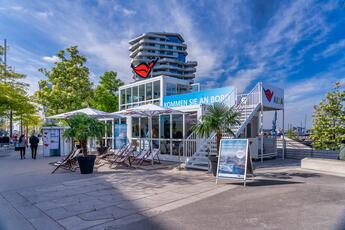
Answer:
(233, 159)
(120, 135)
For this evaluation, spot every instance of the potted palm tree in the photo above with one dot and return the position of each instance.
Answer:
(82, 127)
(219, 118)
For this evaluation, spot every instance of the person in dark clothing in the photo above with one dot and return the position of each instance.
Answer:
(23, 143)
(34, 144)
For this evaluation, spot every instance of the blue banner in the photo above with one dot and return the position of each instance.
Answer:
(206, 97)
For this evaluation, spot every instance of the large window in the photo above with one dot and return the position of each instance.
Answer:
(165, 126)
(135, 126)
(155, 127)
(156, 90)
(177, 126)
(190, 120)
(165, 147)
(141, 92)
(123, 96)
(171, 89)
(135, 94)
(181, 89)
(129, 95)
(139, 95)
(144, 128)
(148, 91)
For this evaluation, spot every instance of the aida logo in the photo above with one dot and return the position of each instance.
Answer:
(143, 70)
(268, 94)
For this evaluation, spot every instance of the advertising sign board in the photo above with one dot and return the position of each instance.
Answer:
(205, 97)
(272, 97)
(120, 135)
(233, 158)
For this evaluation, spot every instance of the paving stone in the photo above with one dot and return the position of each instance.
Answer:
(30, 211)
(65, 201)
(14, 198)
(112, 212)
(141, 204)
(59, 213)
(44, 223)
(76, 223)
(112, 198)
(119, 222)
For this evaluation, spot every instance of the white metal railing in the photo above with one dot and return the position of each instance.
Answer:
(245, 104)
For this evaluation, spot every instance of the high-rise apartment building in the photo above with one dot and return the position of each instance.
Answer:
(171, 52)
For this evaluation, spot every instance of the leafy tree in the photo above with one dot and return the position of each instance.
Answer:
(83, 127)
(13, 97)
(68, 86)
(105, 97)
(329, 120)
(219, 118)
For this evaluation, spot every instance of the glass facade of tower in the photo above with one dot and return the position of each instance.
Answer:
(171, 52)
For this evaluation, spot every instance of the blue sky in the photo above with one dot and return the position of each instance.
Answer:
(297, 45)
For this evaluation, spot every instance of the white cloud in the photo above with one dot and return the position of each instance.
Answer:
(331, 50)
(51, 59)
(245, 76)
(125, 11)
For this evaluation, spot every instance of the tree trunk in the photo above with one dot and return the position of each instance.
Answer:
(218, 138)
(83, 145)
(11, 123)
(21, 125)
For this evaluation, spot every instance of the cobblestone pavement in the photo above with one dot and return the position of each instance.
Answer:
(111, 200)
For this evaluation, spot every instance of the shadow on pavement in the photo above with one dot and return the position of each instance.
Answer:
(288, 175)
(261, 182)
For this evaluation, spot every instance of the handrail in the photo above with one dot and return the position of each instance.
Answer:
(251, 99)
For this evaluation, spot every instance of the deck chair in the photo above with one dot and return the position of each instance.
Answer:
(112, 153)
(124, 158)
(140, 157)
(69, 163)
(154, 155)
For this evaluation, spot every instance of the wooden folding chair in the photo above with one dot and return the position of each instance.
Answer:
(69, 163)
(153, 156)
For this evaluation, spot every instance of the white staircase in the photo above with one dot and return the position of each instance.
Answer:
(247, 105)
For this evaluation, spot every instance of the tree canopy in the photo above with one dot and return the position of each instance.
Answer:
(329, 120)
(68, 86)
(105, 97)
(15, 103)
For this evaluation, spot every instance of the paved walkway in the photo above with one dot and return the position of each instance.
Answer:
(104, 200)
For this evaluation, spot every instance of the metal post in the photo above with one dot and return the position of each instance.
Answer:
(262, 133)
(283, 147)
(261, 125)
(150, 131)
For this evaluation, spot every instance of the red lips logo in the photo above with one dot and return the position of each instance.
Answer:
(143, 70)
(269, 94)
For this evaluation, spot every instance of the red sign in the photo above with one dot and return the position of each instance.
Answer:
(269, 94)
(143, 70)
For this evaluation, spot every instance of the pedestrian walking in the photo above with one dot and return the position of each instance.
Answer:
(33, 145)
(23, 143)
